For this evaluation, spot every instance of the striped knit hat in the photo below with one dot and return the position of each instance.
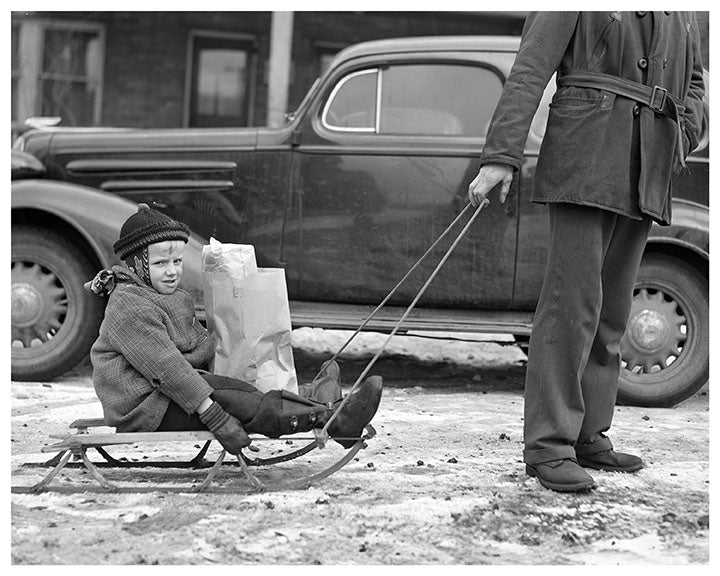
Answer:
(146, 227)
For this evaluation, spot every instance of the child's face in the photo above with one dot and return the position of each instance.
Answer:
(165, 260)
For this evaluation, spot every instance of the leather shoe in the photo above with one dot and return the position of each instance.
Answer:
(563, 475)
(611, 461)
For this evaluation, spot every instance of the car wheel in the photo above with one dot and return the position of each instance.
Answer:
(666, 348)
(54, 320)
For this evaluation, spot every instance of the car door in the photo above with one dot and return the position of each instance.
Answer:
(381, 168)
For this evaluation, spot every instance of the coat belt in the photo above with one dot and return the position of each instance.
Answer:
(656, 98)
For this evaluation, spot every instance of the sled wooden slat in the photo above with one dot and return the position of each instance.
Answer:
(115, 438)
(85, 423)
(78, 443)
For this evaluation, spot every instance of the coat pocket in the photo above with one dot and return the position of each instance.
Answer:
(578, 143)
(577, 124)
(574, 102)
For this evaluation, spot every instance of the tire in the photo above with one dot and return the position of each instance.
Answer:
(54, 320)
(666, 347)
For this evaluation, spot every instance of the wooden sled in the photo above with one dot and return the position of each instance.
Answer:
(76, 445)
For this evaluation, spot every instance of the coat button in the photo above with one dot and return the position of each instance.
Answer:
(642, 63)
(641, 14)
(636, 110)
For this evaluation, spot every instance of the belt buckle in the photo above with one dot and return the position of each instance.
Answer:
(662, 92)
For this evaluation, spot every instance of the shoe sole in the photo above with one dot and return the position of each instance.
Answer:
(578, 487)
(595, 466)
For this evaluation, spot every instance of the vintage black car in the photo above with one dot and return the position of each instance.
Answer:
(370, 169)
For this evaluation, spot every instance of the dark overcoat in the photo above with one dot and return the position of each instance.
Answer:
(601, 149)
(146, 354)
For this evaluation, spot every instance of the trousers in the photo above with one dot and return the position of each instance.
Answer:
(574, 353)
(267, 413)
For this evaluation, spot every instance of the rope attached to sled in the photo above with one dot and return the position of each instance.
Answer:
(392, 292)
(409, 308)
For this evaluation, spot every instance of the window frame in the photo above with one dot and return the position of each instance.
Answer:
(30, 76)
(201, 34)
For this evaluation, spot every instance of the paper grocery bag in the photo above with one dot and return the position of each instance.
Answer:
(247, 308)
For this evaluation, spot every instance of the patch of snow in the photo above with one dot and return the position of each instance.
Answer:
(645, 549)
(474, 350)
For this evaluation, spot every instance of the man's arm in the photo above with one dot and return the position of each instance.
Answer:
(546, 36)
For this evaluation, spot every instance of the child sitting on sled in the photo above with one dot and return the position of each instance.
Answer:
(150, 358)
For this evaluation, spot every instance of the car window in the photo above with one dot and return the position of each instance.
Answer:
(438, 99)
(427, 99)
(351, 106)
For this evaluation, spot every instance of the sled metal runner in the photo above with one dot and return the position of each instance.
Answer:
(77, 445)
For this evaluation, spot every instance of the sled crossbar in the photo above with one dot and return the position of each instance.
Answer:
(78, 443)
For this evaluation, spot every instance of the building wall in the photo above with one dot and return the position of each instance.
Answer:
(146, 53)
(147, 60)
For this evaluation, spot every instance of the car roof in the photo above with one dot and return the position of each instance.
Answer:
(430, 44)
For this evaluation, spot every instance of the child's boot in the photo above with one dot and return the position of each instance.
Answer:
(348, 425)
(357, 412)
(282, 412)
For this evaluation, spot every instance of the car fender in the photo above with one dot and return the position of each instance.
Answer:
(690, 229)
(98, 217)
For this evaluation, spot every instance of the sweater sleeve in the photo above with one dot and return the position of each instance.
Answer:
(546, 36)
(140, 335)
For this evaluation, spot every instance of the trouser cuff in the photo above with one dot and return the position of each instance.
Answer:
(601, 445)
(534, 457)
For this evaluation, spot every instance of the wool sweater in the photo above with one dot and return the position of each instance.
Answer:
(147, 353)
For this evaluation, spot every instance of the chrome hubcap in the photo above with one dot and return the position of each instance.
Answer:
(656, 332)
(27, 304)
(39, 304)
(648, 330)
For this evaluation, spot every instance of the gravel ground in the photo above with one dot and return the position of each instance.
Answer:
(442, 482)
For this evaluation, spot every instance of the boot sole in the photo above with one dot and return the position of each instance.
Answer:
(605, 468)
(585, 486)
